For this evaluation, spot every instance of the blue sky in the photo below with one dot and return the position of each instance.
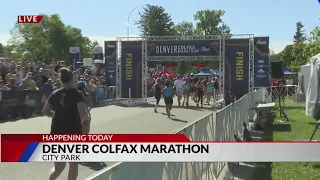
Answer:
(105, 20)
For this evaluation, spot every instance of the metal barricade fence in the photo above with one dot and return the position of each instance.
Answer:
(216, 126)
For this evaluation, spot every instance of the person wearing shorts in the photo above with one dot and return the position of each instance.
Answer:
(168, 97)
(69, 112)
(186, 92)
(200, 92)
(179, 90)
(157, 93)
(209, 88)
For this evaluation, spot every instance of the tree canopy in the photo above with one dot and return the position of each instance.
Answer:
(47, 41)
(304, 47)
(155, 21)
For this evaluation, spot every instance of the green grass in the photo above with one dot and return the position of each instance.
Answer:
(299, 127)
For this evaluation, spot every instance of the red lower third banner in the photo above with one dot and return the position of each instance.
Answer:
(148, 148)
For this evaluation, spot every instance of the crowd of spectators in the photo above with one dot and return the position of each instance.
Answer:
(45, 78)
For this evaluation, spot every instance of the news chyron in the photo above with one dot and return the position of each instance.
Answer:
(29, 19)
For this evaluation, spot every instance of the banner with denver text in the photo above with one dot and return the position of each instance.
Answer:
(261, 62)
(131, 72)
(183, 48)
(237, 66)
(148, 148)
(74, 56)
(110, 54)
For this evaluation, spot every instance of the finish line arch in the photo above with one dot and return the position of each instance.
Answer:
(133, 54)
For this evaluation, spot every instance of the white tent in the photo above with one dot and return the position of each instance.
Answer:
(313, 94)
(304, 77)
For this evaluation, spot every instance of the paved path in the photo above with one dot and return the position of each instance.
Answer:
(110, 119)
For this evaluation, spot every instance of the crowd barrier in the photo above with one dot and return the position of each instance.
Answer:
(27, 103)
(216, 126)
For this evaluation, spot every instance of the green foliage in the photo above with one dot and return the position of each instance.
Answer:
(184, 29)
(209, 22)
(154, 21)
(50, 39)
(1, 49)
(303, 48)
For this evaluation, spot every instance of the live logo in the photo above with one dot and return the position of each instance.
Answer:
(29, 19)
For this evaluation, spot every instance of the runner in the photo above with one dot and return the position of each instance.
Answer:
(88, 100)
(157, 93)
(216, 88)
(186, 92)
(67, 108)
(168, 97)
(209, 88)
(179, 91)
(200, 92)
(193, 90)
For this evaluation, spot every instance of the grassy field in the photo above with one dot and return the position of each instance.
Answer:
(299, 127)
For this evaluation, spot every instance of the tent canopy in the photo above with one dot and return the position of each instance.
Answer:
(287, 72)
(207, 72)
(203, 74)
(169, 73)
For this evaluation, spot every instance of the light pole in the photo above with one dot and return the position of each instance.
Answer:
(128, 19)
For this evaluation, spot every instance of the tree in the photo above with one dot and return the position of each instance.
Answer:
(48, 40)
(299, 40)
(209, 22)
(154, 21)
(286, 55)
(275, 57)
(299, 36)
(312, 48)
(184, 29)
(1, 49)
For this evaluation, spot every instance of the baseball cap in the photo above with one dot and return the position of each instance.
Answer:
(81, 85)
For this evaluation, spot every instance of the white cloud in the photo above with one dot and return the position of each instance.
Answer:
(276, 46)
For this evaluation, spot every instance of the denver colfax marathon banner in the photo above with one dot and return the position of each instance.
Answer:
(131, 69)
(148, 148)
(183, 48)
(74, 56)
(237, 67)
(261, 62)
(110, 48)
(97, 53)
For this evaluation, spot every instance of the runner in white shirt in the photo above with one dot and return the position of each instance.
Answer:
(179, 90)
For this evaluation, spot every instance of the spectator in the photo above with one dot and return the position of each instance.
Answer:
(11, 74)
(12, 85)
(47, 87)
(57, 85)
(23, 85)
(31, 84)
(19, 74)
(3, 87)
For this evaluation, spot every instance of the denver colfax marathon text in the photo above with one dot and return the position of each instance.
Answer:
(72, 151)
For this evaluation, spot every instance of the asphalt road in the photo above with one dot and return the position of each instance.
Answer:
(110, 119)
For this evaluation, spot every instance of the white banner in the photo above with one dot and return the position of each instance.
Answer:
(177, 152)
(87, 61)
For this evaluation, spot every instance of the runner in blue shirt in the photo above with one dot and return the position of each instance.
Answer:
(168, 97)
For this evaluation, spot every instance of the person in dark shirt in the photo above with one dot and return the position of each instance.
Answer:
(67, 108)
